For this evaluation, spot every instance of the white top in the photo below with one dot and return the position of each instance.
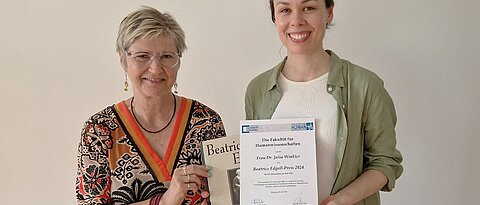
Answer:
(311, 100)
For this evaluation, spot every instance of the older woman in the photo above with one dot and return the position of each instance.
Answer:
(146, 149)
(355, 116)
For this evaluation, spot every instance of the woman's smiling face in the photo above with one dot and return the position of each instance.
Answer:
(154, 79)
(301, 24)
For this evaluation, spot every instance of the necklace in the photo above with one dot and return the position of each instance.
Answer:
(171, 118)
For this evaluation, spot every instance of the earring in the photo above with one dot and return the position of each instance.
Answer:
(280, 52)
(175, 88)
(329, 25)
(125, 85)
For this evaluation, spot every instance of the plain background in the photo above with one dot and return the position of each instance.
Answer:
(59, 66)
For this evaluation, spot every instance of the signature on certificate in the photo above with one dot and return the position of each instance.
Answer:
(299, 200)
(257, 202)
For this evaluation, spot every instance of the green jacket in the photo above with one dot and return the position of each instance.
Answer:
(366, 120)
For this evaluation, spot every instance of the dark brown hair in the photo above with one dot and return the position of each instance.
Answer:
(328, 4)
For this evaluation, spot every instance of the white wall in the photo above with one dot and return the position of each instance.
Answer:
(58, 66)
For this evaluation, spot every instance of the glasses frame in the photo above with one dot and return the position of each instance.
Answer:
(153, 55)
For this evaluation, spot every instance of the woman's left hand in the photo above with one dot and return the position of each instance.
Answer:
(185, 179)
(334, 200)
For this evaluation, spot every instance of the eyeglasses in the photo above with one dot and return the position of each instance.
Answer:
(144, 59)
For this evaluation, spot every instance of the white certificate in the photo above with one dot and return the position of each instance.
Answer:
(278, 162)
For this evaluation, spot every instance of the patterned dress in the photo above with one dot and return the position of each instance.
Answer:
(117, 165)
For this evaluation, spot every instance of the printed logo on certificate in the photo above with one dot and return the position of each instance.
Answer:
(278, 162)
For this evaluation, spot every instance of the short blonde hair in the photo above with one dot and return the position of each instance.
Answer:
(148, 22)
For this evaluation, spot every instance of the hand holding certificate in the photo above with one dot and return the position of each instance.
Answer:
(278, 162)
(223, 156)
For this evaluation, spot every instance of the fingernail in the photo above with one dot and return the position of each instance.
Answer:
(205, 194)
(208, 167)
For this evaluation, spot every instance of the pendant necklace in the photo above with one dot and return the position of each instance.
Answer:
(171, 118)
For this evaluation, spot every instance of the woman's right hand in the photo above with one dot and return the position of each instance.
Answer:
(185, 179)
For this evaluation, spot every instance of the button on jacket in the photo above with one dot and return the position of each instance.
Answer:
(366, 122)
